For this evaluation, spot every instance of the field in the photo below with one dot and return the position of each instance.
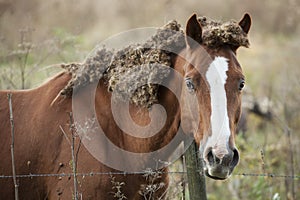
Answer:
(35, 36)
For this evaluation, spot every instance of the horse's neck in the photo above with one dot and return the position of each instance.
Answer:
(134, 128)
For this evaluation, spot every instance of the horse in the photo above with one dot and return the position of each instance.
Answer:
(208, 107)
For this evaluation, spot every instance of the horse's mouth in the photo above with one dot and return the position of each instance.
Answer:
(217, 172)
(215, 177)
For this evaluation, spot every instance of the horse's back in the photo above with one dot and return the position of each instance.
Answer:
(36, 139)
(43, 150)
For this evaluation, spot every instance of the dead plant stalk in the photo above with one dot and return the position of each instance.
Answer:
(74, 158)
(11, 118)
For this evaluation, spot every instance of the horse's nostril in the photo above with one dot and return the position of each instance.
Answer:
(236, 158)
(218, 160)
(210, 157)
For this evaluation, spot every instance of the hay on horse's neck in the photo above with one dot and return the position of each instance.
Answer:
(135, 72)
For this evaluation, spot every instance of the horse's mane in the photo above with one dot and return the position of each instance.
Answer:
(130, 72)
(216, 33)
(136, 71)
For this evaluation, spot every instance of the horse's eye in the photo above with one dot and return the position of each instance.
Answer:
(190, 84)
(241, 84)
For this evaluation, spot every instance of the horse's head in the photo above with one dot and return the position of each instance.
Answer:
(214, 78)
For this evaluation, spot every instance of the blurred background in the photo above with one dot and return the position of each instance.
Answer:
(36, 35)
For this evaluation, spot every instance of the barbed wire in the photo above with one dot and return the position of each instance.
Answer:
(269, 175)
(295, 177)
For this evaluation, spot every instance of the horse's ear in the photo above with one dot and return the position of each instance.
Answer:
(193, 32)
(245, 22)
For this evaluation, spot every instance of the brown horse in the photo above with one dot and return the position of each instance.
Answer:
(208, 108)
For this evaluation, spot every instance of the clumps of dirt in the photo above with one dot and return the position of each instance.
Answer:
(72, 69)
(135, 72)
(216, 34)
(136, 77)
(88, 72)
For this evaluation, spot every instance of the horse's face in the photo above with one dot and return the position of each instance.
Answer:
(214, 78)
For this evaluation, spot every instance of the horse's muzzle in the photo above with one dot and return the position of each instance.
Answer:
(220, 167)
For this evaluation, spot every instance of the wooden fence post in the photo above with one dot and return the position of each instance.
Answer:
(196, 178)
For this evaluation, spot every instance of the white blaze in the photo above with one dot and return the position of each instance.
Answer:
(216, 77)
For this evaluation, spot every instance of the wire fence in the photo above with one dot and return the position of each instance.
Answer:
(294, 177)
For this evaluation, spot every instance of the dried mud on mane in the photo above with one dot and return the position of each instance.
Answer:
(135, 72)
(216, 33)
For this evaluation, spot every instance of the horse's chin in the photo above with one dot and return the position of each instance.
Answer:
(215, 177)
(220, 174)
